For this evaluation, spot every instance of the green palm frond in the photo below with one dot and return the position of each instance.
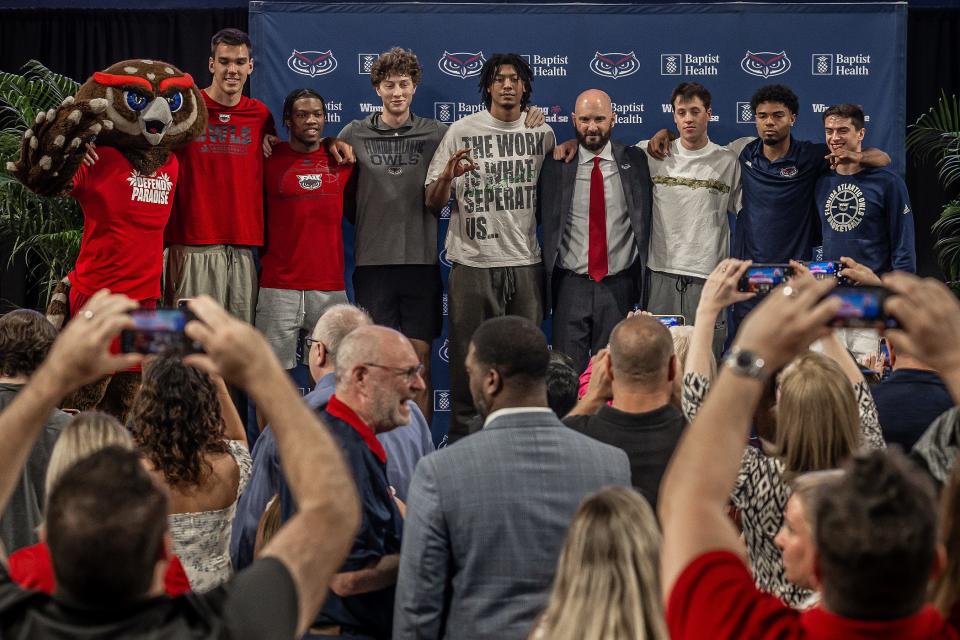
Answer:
(45, 231)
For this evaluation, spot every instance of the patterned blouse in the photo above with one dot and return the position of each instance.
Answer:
(761, 493)
(202, 539)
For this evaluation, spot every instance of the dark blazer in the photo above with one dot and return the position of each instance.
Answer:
(486, 520)
(555, 195)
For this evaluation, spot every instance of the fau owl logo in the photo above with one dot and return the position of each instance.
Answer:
(765, 63)
(310, 182)
(614, 65)
(461, 64)
(312, 63)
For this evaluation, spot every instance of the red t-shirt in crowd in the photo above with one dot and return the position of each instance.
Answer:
(304, 248)
(219, 196)
(715, 597)
(32, 568)
(124, 214)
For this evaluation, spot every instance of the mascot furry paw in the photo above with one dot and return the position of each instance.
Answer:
(138, 112)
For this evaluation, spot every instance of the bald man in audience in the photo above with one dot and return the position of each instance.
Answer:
(637, 372)
(596, 226)
(377, 374)
(404, 445)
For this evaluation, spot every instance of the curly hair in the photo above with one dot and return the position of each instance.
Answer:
(25, 339)
(776, 93)
(176, 421)
(492, 67)
(396, 62)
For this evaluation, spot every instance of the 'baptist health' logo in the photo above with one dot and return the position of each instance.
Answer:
(365, 62)
(765, 64)
(445, 111)
(744, 113)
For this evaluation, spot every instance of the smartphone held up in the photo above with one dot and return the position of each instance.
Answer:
(159, 331)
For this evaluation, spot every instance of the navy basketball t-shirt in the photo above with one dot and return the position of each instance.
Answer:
(778, 222)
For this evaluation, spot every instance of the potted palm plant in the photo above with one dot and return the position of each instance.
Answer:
(935, 137)
(45, 231)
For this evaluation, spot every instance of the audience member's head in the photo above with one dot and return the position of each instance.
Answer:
(875, 532)
(562, 384)
(946, 590)
(106, 520)
(642, 357)
(507, 364)
(818, 424)
(25, 340)
(795, 537)
(176, 421)
(608, 578)
(332, 327)
(377, 373)
(86, 433)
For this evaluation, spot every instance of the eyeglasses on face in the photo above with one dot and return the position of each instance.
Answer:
(407, 373)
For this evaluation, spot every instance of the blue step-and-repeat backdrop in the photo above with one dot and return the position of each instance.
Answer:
(828, 53)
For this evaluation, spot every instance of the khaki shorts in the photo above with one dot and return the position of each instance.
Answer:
(224, 272)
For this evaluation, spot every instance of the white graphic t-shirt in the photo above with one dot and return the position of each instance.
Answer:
(692, 192)
(494, 221)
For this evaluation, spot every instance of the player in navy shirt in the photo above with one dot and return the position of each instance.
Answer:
(777, 221)
(864, 212)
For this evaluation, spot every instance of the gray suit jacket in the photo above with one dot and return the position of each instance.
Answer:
(486, 519)
(555, 195)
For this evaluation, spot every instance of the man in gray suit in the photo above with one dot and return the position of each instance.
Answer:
(595, 214)
(486, 517)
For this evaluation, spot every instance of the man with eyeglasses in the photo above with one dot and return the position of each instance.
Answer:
(377, 374)
(302, 260)
(404, 445)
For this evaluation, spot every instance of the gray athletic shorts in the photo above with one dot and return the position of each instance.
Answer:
(224, 272)
(283, 313)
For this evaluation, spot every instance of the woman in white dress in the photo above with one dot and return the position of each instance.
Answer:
(188, 430)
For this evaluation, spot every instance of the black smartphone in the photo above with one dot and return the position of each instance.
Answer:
(862, 307)
(159, 331)
(761, 278)
(671, 321)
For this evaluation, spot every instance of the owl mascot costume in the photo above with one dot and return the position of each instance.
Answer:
(138, 111)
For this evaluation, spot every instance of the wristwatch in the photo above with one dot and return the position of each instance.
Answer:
(746, 363)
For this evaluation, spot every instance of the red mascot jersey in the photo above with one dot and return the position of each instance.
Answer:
(124, 214)
(304, 248)
(219, 199)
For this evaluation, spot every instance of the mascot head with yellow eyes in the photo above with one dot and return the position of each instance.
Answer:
(143, 108)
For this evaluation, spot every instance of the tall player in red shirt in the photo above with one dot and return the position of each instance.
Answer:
(217, 216)
(302, 261)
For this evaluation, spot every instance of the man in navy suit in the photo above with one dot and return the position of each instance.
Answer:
(595, 214)
(487, 516)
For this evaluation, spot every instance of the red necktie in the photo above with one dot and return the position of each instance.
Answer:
(597, 251)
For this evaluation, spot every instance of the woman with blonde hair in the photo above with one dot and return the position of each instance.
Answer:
(607, 585)
(85, 434)
(824, 412)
